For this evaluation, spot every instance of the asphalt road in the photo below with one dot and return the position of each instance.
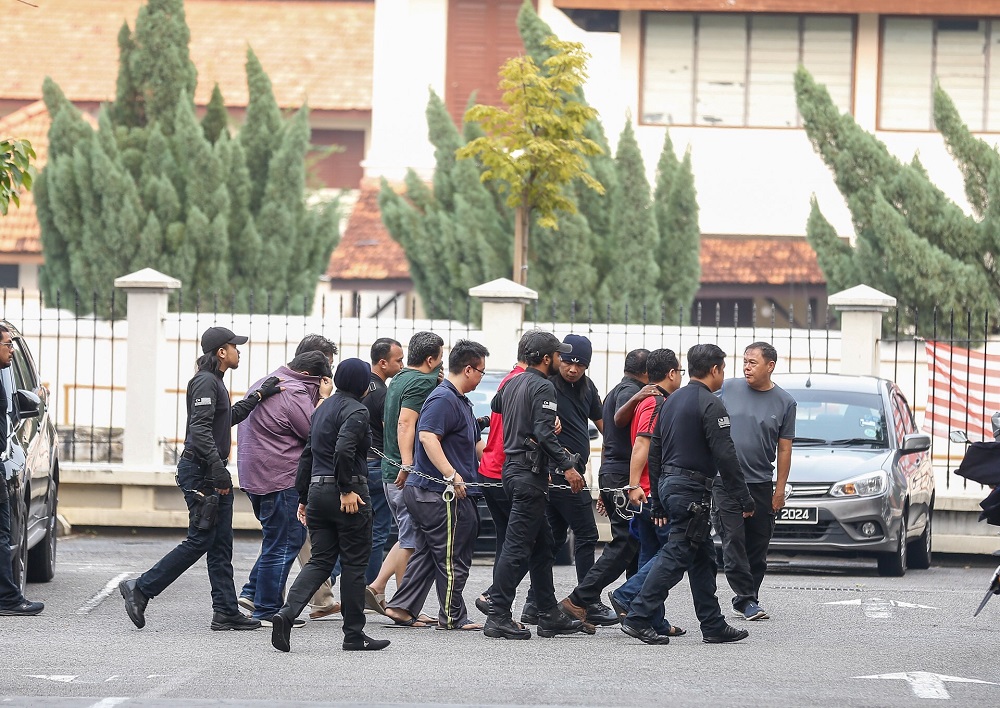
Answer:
(834, 627)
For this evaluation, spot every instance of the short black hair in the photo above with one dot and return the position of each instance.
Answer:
(381, 348)
(660, 363)
(702, 357)
(316, 343)
(635, 362)
(465, 353)
(5, 328)
(769, 352)
(423, 345)
(314, 362)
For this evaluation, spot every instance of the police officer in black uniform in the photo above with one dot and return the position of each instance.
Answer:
(207, 486)
(691, 444)
(332, 481)
(528, 406)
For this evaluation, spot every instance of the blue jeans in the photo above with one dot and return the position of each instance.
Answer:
(283, 537)
(216, 543)
(381, 524)
(10, 591)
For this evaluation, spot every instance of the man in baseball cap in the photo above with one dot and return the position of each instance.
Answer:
(218, 337)
(542, 343)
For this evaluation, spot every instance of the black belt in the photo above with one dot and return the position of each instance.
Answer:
(188, 455)
(323, 479)
(690, 474)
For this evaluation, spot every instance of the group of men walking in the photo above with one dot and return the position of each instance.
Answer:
(342, 455)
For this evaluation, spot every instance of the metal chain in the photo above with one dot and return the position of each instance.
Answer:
(619, 494)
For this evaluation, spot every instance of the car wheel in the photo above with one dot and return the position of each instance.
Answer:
(42, 558)
(894, 564)
(920, 550)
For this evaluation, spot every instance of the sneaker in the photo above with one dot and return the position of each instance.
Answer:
(505, 628)
(367, 644)
(246, 603)
(297, 623)
(27, 609)
(753, 612)
(729, 634)
(221, 622)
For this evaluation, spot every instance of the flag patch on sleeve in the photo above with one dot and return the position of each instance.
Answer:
(549, 405)
(724, 422)
(204, 401)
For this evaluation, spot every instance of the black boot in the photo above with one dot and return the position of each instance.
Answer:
(555, 621)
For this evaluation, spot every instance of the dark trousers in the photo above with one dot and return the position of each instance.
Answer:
(678, 556)
(527, 549)
(568, 510)
(499, 506)
(335, 535)
(445, 541)
(10, 589)
(282, 540)
(215, 543)
(381, 520)
(744, 541)
(618, 555)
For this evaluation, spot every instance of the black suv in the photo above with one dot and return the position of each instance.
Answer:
(31, 468)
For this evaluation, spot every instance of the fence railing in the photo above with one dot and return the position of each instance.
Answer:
(82, 359)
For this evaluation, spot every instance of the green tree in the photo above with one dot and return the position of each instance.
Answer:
(154, 187)
(635, 274)
(16, 172)
(676, 206)
(912, 241)
(535, 148)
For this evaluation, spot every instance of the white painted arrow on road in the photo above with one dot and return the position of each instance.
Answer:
(926, 685)
(877, 608)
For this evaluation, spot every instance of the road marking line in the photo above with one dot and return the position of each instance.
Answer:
(97, 599)
(926, 685)
(60, 678)
(108, 702)
(877, 608)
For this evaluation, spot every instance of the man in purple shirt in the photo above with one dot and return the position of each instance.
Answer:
(269, 444)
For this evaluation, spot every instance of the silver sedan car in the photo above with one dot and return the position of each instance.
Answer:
(861, 482)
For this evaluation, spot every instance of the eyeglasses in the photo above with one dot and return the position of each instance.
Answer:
(9, 345)
(680, 372)
(482, 372)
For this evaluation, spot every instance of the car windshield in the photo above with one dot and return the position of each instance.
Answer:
(839, 418)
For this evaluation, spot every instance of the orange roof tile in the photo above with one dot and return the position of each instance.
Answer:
(759, 261)
(320, 52)
(366, 250)
(19, 230)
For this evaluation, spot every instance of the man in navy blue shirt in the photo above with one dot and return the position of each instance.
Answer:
(446, 530)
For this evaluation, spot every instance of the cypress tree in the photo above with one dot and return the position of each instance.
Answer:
(216, 119)
(680, 238)
(261, 134)
(634, 275)
(912, 241)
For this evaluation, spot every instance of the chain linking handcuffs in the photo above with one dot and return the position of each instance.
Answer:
(619, 494)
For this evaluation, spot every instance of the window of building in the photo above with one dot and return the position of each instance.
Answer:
(733, 69)
(962, 54)
(9, 275)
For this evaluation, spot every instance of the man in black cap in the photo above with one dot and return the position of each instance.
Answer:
(332, 481)
(207, 484)
(528, 406)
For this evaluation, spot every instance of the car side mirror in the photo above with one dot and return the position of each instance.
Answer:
(915, 442)
(958, 436)
(26, 404)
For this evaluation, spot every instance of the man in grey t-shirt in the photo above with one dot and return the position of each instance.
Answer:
(762, 416)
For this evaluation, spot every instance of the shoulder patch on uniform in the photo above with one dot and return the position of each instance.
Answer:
(549, 405)
(203, 401)
(724, 422)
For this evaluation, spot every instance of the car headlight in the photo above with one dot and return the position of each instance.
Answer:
(865, 485)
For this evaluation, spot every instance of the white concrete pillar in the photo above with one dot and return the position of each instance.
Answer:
(503, 318)
(145, 380)
(861, 328)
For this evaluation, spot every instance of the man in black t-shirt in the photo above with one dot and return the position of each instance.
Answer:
(387, 361)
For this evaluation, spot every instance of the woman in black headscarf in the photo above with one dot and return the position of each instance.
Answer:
(332, 482)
